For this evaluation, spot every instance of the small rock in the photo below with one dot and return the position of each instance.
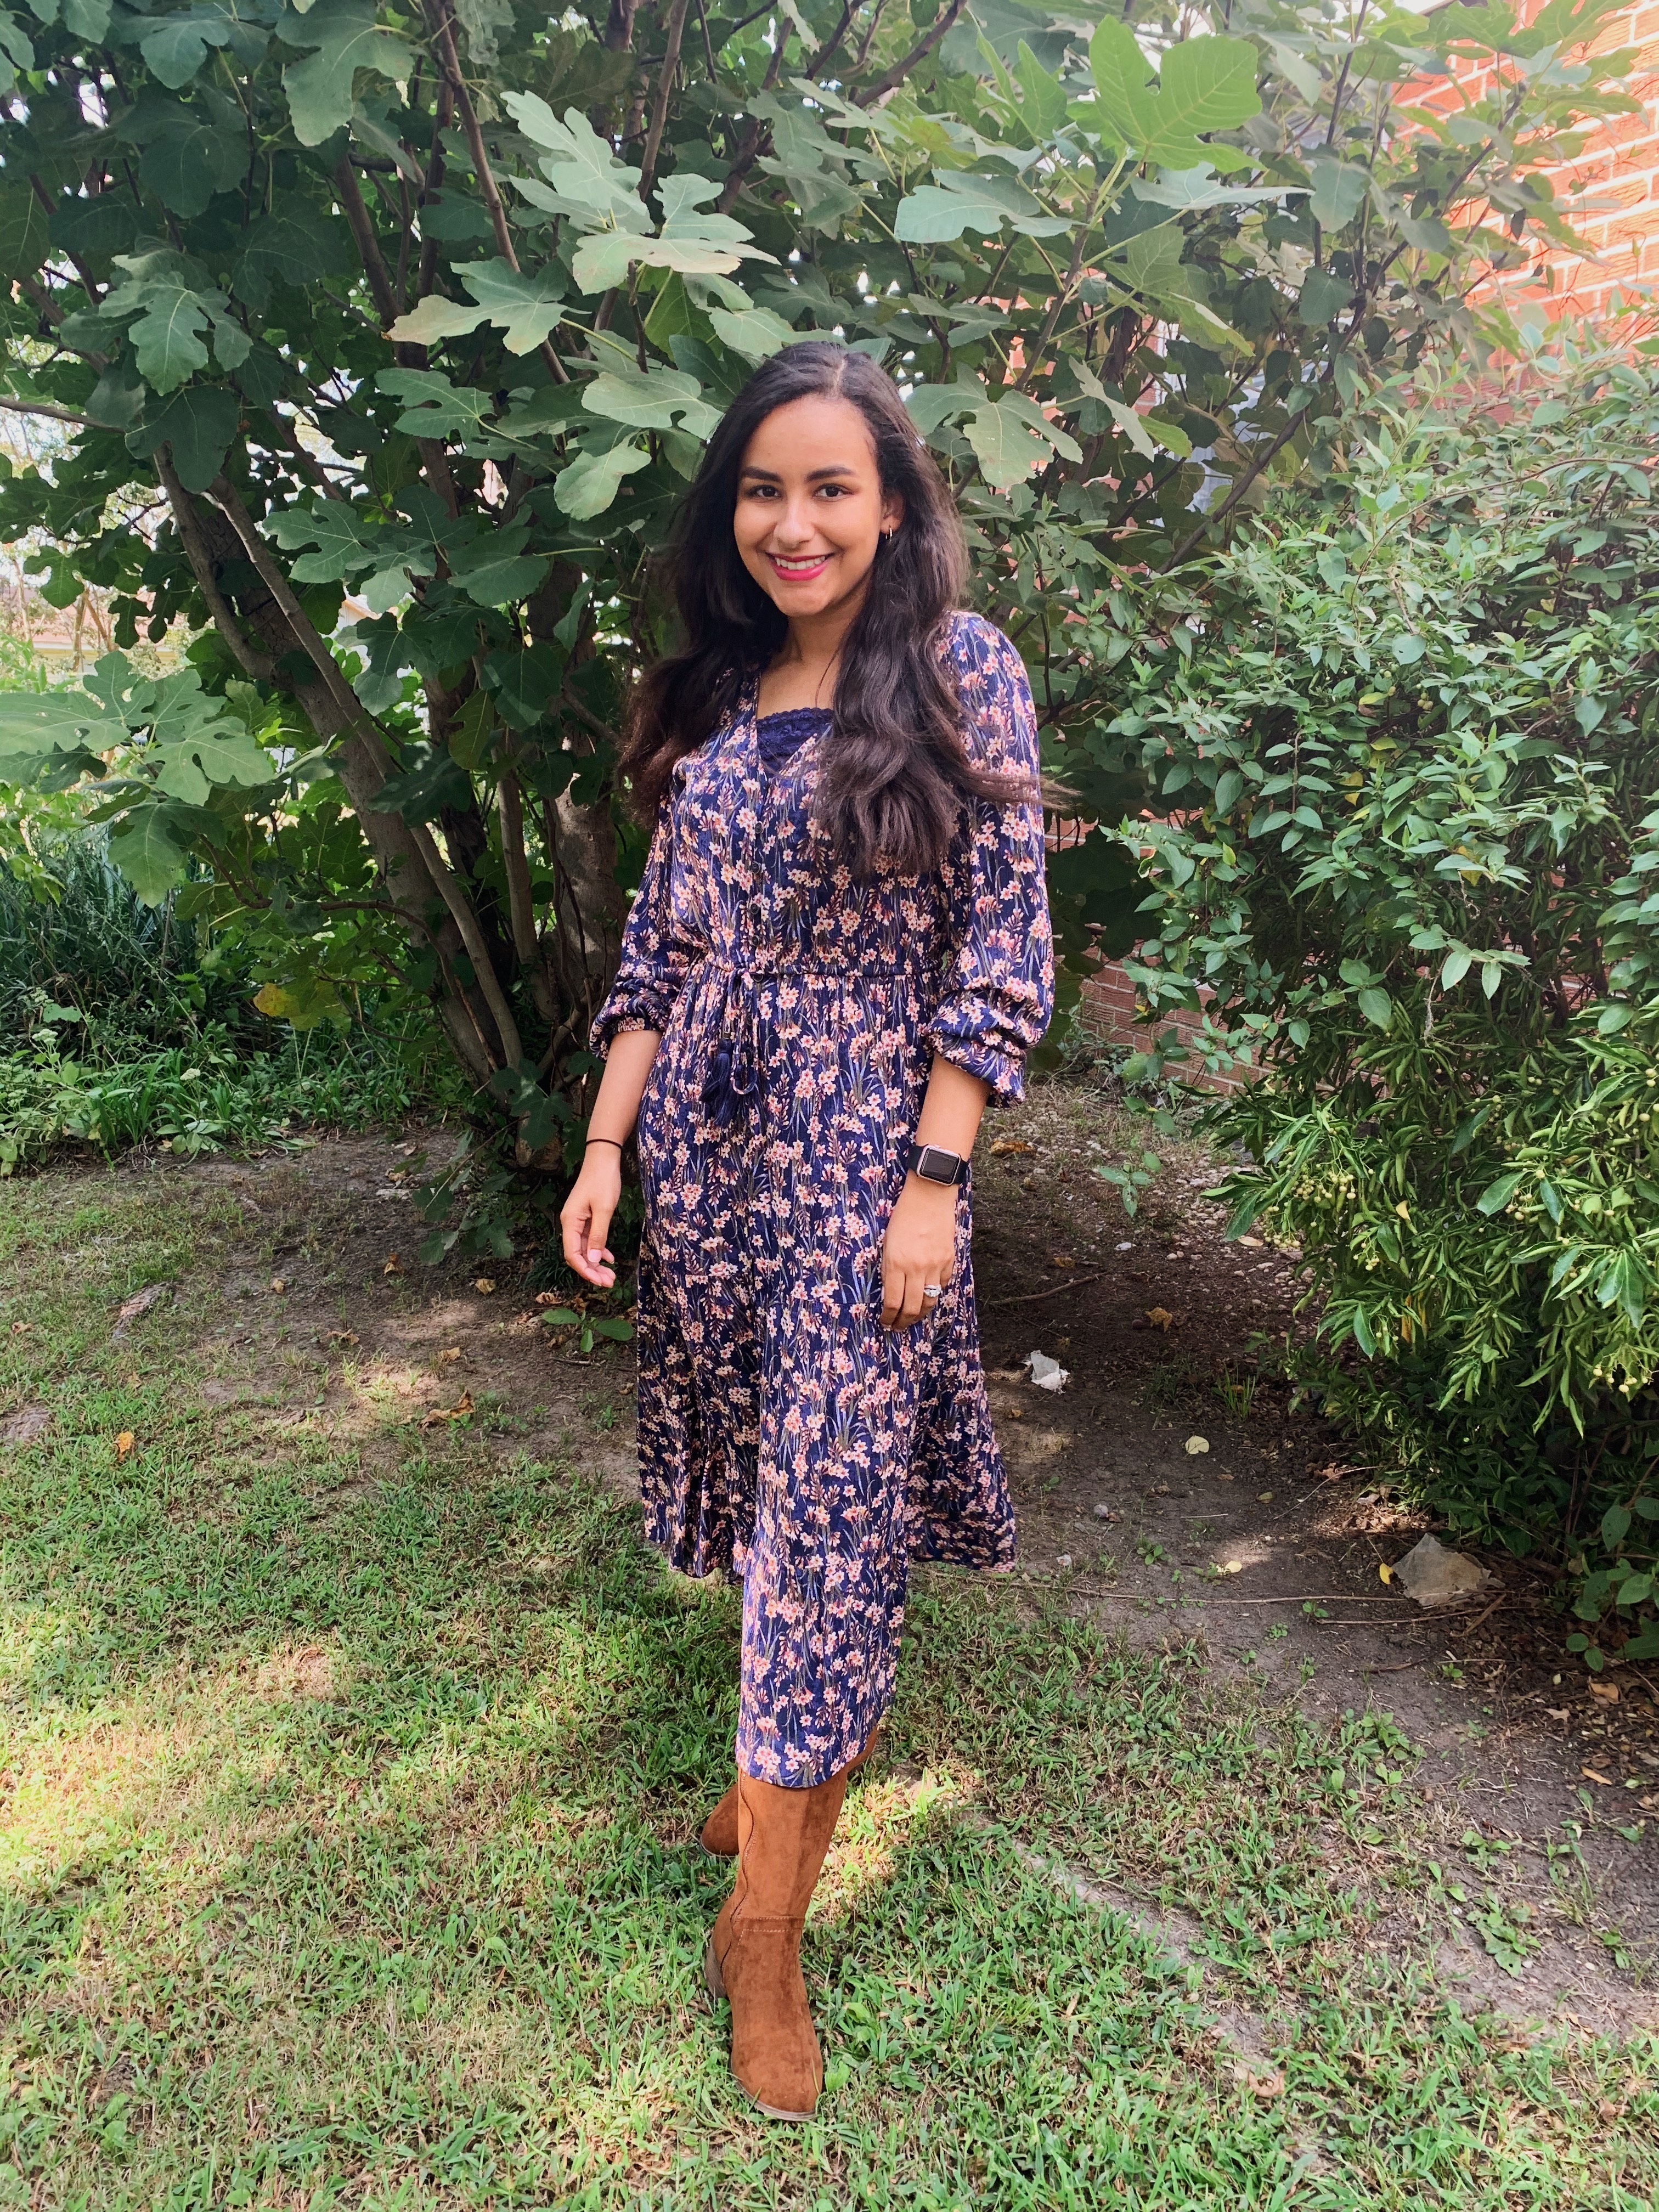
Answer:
(1104, 1513)
(1434, 1575)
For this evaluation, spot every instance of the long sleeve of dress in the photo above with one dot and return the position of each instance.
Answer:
(1000, 987)
(656, 955)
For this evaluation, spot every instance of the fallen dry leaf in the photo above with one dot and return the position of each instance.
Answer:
(453, 1353)
(549, 1298)
(485, 1287)
(345, 1338)
(1266, 2085)
(1010, 1145)
(1062, 1260)
(1607, 1691)
(440, 1413)
(1160, 1317)
(1590, 1775)
(1195, 1445)
(1384, 1571)
(23, 1328)
(278, 1284)
(394, 1266)
(124, 1443)
(139, 1303)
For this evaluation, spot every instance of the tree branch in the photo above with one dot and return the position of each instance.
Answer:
(443, 31)
(53, 414)
(666, 75)
(442, 115)
(1062, 297)
(890, 80)
(757, 137)
(261, 666)
(832, 42)
(367, 245)
(346, 700)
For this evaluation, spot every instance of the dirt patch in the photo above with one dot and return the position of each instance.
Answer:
(1540, 1784)
(25, 1427)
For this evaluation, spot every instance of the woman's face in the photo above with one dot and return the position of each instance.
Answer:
(811, 509)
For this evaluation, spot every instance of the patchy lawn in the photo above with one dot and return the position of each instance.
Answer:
(354, 1749)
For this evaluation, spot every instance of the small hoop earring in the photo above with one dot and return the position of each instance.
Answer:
(888, 536)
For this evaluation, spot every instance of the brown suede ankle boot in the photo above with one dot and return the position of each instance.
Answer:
(753, 1955)
(719, 1832)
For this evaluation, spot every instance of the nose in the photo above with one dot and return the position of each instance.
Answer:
(794, 527)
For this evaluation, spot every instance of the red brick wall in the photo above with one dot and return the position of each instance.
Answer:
(1108, 1018)
(1619, 168)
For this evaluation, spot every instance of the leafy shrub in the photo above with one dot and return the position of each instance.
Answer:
(1411, 874)
(212, 1096)
(133, 1025)
(78, 945)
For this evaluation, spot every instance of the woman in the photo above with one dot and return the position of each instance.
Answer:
(841, 947)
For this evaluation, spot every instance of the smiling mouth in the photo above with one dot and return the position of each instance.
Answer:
(799, 572)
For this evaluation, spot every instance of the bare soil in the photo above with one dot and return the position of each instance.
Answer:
(1265, 1547)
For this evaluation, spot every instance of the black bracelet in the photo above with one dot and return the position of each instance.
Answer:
(621, 1143)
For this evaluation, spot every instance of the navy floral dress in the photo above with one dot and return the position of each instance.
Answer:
(784, 1434)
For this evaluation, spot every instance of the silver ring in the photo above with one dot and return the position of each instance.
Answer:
(931, 1290)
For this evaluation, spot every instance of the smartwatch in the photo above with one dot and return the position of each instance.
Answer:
(934, 1164)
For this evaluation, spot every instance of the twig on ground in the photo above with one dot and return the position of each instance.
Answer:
(1025, 1297)
(1490, 1610)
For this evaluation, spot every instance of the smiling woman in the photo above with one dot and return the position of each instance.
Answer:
(841, 948)
(808, 535)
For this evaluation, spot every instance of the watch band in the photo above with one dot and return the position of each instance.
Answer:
(934, 1164)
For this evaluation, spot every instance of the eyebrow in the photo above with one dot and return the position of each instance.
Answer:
(817, 476)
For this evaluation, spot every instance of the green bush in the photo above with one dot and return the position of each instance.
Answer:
(131, 1025)
(214, 1096)
(1409, 871)
(78, 946)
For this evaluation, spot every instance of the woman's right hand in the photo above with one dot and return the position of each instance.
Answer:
(586, 1215)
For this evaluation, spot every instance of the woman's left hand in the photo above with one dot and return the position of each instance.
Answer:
(919, 1248)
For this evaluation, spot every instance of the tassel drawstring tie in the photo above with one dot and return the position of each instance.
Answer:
(731, 1085)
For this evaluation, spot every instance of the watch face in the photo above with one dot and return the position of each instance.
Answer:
(937, 1166)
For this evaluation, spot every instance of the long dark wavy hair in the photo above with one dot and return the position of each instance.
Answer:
(896, 775)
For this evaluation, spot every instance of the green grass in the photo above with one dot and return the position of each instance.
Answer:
(346, 1859)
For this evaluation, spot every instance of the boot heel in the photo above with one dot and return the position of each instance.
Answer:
(712, 1979)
